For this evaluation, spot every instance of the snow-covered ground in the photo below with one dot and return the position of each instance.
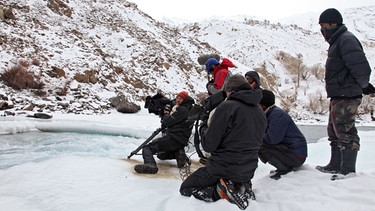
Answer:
(84, 167)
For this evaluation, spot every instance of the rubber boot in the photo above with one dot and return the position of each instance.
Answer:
(349, 158)
(149, 166)
(334, 164)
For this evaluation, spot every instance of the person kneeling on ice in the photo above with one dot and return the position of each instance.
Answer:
(171, 145)
(233, 139)
(284, 146)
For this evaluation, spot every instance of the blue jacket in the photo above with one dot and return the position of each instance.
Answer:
(281, 129)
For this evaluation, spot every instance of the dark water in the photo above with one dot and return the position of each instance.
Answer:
(315, 132)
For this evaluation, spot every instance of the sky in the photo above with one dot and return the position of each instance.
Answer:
(268, 9)
(73, 165)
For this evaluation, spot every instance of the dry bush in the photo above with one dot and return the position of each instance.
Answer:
(89, 76)
(288, 100)
(62, 91)
(318, 104)
(367, 105)
(35, 62)
(201, 96)
(24, 63)
(19, 78)
(318, 71)
(294, 64)
(267, 80)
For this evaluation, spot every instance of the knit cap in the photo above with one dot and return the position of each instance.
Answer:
(183, 95)
(268, 98)
(331, 15)
(234, 81)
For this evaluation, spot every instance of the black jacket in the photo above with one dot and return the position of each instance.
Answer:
(178, 128)
(347, 68)
(235, 135)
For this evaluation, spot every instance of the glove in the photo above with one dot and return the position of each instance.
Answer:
(370, 89)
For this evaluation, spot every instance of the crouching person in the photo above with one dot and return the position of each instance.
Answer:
(172, 144)
(284, 146)
(233, 139)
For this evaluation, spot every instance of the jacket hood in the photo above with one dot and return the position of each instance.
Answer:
(247, 95)
(226, 63)
(255, 76)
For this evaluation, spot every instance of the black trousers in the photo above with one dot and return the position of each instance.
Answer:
(202, 181)
(159, 145)
(280, 156)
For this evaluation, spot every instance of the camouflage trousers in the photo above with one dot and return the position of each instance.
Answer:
(341, 123)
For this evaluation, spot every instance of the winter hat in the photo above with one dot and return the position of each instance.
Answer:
(183, 95)
(210, 63)
(331, 15)
(234, 81)
(255, 76)
(268, 98)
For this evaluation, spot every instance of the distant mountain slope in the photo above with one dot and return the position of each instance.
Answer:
(90, 50)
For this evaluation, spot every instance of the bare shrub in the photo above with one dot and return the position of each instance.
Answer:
(294, 64)
(367, 105)
(24, 63)
(19, 78)
(88, 77)
(62, 91)
(35, 62)
(318, 71)
(287, 100)
(201, 96)
(267, 80)
(318, 104)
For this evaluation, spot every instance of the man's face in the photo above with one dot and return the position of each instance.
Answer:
(179, 100)
(325, 25)
(327, 30)
(251, 81)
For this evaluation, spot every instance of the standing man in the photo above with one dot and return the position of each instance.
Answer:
(177, 134)
(220, 73)
(233, 139)
(284, 146)
(347, 74)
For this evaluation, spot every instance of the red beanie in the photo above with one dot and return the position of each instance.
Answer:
(183, 95)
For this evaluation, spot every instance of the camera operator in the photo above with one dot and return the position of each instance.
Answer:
(177, 133)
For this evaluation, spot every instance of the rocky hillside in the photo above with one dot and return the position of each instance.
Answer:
(86, 51)
(91, 50)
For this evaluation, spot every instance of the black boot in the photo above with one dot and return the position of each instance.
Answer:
(334, 164)
(349, 158)
(146, 168)
(149, 166)
(182, 159)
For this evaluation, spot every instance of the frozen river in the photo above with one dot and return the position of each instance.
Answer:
(36, 146)
(315, 132)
